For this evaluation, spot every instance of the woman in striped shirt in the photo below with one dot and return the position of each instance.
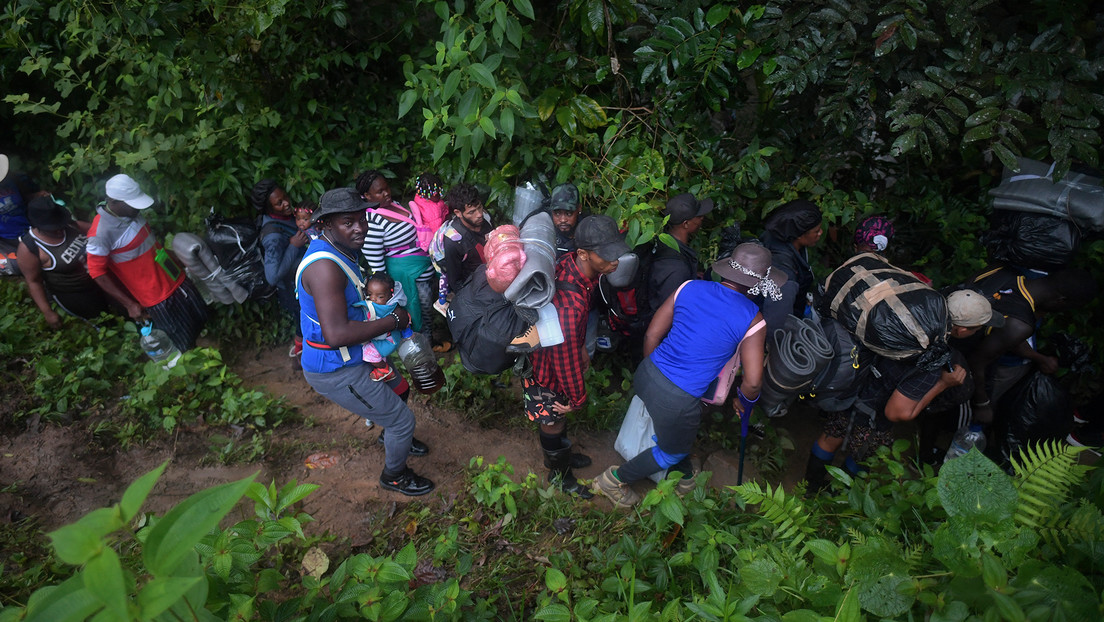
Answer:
(391, 245)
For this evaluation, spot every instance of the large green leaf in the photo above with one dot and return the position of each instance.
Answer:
(973, 487)
(77, 543)
(137, 492)
(103, 577)
(173, 537)
(878, 568)
(68, 602)
(482, 75)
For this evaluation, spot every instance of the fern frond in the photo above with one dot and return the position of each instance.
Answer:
(791, 519)
(1085, 525)
(914, 556)
(1045, 472)
(858, 538)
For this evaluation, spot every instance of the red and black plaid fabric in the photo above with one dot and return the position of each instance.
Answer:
(560, 368)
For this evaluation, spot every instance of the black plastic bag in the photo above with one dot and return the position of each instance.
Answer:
(235, 243)
(483, 323)
(1036, 409)
(1074, 353)
(889, 310)
(1036, 241)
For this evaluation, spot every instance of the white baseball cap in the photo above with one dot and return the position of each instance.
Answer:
(123, 188)
(970, 309)
(3, 166)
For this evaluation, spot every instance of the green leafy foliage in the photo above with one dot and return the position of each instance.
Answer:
(709, 555)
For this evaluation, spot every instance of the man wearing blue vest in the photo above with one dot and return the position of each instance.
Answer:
(330, 286)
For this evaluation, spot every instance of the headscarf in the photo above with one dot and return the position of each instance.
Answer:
(875, 232)
(793, 220)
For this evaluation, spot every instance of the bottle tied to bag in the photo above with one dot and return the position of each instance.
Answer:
(158, 346)
(967, 436)
(417, 355)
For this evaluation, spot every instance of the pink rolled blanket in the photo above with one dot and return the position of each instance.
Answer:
(505, 257)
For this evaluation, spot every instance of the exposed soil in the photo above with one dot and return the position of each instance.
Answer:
(60, 473)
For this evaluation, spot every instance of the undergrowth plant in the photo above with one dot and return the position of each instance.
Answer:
(971, 543)
(96, 370)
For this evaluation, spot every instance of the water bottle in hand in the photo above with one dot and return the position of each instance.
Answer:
(418, 357)
(157, 345)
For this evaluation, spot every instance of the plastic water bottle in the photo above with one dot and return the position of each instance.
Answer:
(417, 356)
(967, 436)
(157, 345)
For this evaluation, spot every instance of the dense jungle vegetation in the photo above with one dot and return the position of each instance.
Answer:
(907, 108)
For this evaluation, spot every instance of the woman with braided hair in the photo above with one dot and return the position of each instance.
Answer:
(391, 245)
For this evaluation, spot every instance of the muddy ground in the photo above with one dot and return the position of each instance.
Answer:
(59, 473)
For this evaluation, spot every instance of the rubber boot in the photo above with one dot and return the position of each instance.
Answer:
(561, 475)
(816, 473)
(578, 461)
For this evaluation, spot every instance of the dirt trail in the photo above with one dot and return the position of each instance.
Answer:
(61, 473)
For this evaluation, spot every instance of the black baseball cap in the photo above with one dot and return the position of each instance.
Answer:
(599, 233)
(683, 207)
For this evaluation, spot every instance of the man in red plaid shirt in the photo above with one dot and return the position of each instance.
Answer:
(556, 386)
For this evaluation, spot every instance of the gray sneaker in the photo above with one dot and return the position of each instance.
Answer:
(619, 493)
(685, 486)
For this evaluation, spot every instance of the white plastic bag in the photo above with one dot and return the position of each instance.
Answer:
(637, 434)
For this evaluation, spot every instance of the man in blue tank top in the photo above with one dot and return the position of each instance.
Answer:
(329, 286)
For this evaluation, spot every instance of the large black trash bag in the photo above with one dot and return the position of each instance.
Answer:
(889, 310)
(1036, 241)
(483, 323)
(236, 244)
(1036, 409)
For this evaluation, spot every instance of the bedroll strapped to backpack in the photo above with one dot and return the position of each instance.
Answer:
(889, 310)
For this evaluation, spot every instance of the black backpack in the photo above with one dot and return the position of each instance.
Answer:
(627, 308)
(837, 387)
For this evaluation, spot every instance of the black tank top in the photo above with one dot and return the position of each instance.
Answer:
(67, 271)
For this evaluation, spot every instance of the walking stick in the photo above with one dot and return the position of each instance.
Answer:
(745, 417)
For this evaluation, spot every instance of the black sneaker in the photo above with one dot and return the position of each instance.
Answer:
(407, 482)
(417, 448)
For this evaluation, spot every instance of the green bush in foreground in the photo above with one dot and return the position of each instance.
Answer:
(97, 371)
(971, 544)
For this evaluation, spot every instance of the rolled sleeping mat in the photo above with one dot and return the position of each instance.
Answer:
(798, 353)
(198, 259)
(535, 283)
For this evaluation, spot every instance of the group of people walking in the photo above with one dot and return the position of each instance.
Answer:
(680, 324)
